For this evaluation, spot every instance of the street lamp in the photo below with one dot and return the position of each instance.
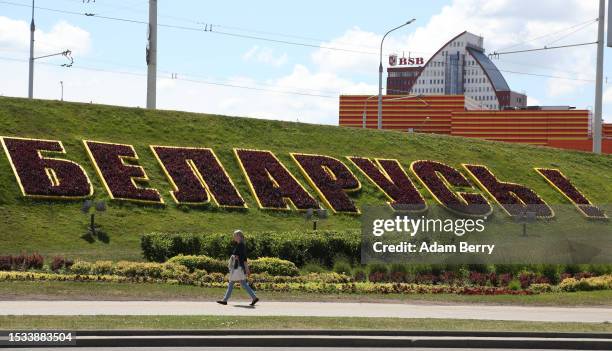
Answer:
(380, 71)
(62, 85)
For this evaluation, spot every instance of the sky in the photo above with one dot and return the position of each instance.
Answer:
(287, 60)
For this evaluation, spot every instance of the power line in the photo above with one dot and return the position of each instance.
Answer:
(495, 53)
(196, 29)
(549, 34)
(96, 69)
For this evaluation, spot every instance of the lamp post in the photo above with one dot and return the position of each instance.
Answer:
(62, 85)
(380, 71)
(31, 60)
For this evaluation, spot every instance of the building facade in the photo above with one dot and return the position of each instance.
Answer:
(455, 115)
(460, 67)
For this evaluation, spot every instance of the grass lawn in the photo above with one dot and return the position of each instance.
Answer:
(55, 227)
(147, 291)
(272, 322)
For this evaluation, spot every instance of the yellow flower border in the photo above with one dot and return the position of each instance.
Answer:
(449, 187)
(386, 175)
(289, 205)
(198, 176)
(537, 169)
(40, 155)
(132, 179)
(484, 188)
(314, 186)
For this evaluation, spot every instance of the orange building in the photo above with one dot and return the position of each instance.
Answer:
(461, 116)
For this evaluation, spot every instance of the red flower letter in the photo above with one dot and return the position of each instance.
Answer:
(331, 178)
(515, 199)
(392, 180)
(557, 180)
(44, 177)
(196, 172)
(271, 183)
(118, 177)
(438, 177)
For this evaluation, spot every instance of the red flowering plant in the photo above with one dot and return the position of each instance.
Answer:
(272, 185)
(392, 180)
(44, 177)
(120, 178)
(196, 175)
(332, 180)
(439, 178)
(561, 183)
(514, 199)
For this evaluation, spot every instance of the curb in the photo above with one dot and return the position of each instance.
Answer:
(342, 332)
(337, 338)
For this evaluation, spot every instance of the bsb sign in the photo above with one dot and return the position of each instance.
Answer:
(405, 61)
(197, 177)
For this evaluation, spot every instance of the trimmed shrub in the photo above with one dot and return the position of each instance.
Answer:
(551, 272)
(60, 262)
(273, 266)
(81, 267)
(514, 285)
(160, 247)
(378, 272)
(138, 269)
(297, 247)
(200, 262)
(603, 282)
(312, 268)
(22, 262)
(102, 267)
(541, 288)
(342, 267)
(359, 274)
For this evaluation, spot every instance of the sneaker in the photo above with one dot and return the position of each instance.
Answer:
(222, 302)
(254, 301)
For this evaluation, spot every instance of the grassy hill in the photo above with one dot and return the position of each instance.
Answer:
(55, 227)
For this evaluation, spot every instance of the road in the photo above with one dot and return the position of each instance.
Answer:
(313, 309)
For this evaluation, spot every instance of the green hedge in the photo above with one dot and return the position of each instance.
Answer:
(273, 266)
(297, 247)
(200, 262)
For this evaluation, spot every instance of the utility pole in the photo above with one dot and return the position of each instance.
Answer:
(597, 118)
(380, 73)
(152, 56)
(31, 62)
(62, 86)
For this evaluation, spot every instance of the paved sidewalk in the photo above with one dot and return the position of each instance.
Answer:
(315, 309)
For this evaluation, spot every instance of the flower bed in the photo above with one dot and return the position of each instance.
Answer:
(561, 183)
(514, 198)
(259, 283)
(438, 178)
(194, 174)
(120, 178)
(332, 180)
(392, 180)
(45, 177)
(271, 183)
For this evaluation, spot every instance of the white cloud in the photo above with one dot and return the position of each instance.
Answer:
(329, 72)
(502, 23)
(532, 101)
(15, 36)
(265, 55)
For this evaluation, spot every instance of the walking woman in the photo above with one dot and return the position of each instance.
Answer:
(239, 269)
